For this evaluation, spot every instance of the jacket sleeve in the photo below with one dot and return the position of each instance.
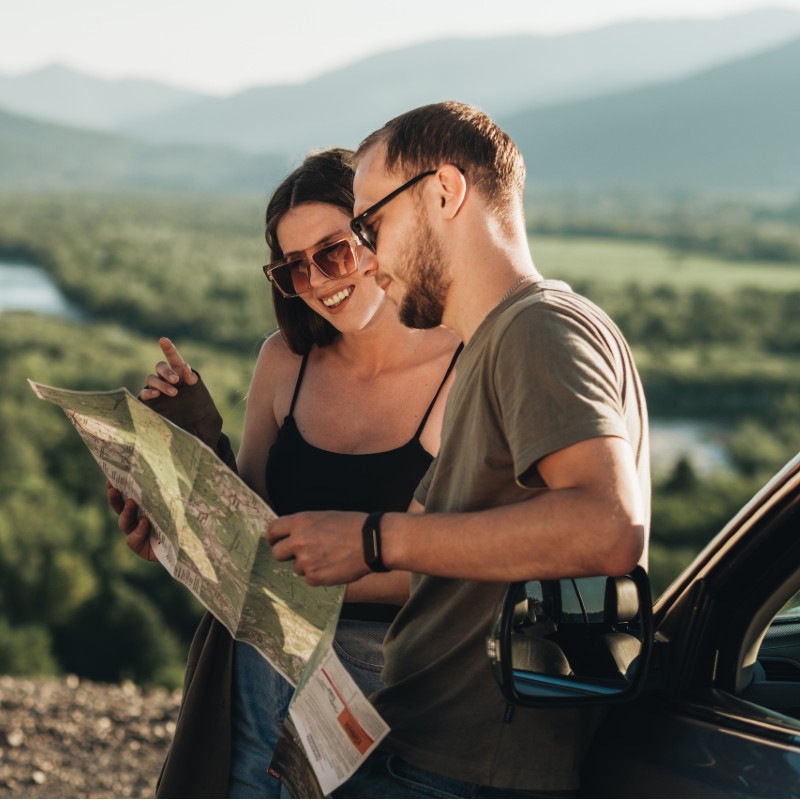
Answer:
(199, 758)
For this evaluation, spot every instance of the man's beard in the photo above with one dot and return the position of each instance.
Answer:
(424, 272)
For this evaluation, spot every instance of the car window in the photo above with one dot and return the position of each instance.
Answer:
(791, 609)
(776, 679)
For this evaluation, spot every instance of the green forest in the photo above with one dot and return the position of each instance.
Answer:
(707, 290)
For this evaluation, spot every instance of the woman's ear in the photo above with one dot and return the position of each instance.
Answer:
(452, 188)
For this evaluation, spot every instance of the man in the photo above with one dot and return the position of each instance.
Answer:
(542, 472)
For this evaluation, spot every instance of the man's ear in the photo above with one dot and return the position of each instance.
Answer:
(451, 187)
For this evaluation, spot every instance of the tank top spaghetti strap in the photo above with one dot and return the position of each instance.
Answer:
(302, 477)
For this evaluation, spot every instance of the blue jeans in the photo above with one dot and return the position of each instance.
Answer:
(385, 775)
(260, 702)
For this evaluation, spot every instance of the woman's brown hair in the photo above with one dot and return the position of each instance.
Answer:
(325, 176)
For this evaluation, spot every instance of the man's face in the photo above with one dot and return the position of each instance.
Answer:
(423, 262)
(411, 261)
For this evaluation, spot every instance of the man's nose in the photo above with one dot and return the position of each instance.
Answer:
(368, 263)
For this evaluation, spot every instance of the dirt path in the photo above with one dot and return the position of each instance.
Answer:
(71, 738)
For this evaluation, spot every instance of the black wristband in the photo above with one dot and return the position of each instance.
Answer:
(371, 539)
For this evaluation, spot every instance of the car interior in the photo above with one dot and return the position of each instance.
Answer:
(753, 618)
(770, 670)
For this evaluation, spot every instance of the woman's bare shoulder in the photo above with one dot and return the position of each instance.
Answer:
(276, 369)
(276, 365)
(276, 353)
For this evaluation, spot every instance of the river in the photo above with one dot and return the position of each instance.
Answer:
(24, 287)
(702, 442)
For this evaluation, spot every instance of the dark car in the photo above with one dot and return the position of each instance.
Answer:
(703, 694)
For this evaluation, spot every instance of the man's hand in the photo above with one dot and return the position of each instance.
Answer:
(135, 528)
(325, 545)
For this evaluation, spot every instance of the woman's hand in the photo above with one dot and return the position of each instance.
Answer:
(135, 527)
(169, 375)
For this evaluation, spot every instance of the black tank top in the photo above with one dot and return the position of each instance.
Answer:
(302, 477)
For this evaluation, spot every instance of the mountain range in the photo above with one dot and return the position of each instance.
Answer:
(731, 127)
(57, 93)
(500, 75)
(670, 104)
(37, 156)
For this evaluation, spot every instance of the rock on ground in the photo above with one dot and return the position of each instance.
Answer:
(75, 738)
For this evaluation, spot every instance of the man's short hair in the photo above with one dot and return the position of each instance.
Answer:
(454, 133)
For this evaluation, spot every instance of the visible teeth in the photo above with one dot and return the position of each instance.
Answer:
(336, 299)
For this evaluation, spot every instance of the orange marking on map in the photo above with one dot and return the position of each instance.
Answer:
(355, 733)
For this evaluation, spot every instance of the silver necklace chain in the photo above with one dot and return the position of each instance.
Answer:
(514, 287)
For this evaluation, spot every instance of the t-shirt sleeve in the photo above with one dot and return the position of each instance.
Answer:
(423, 487)
(557, 379)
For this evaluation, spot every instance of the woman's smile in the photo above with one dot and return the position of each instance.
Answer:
(337, 298)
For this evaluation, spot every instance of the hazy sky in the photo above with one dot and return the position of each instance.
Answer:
(221, 46)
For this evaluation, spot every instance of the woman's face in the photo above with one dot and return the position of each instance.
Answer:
(348, 302)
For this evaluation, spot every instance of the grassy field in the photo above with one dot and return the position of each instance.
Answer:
(614, 262)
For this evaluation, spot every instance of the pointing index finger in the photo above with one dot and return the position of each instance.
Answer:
(175, 360)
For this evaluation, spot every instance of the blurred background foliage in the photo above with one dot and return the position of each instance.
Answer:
(705, 288)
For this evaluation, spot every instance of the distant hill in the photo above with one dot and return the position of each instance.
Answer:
(735, 126)
(59, 94)
(39, 156)
(502, 75)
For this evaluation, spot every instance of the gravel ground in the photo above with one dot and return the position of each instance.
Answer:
(73, 738)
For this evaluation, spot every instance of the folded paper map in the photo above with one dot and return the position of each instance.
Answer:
(207, 525)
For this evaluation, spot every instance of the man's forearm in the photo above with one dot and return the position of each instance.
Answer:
(590, 521)
(567, 532)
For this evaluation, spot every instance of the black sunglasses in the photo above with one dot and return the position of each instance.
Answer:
(365, 232)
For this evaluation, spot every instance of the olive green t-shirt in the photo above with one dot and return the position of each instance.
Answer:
(546, 369)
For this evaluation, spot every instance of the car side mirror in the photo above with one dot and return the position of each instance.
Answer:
(573, 641)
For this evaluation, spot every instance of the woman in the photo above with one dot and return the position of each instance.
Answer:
(344, 411)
